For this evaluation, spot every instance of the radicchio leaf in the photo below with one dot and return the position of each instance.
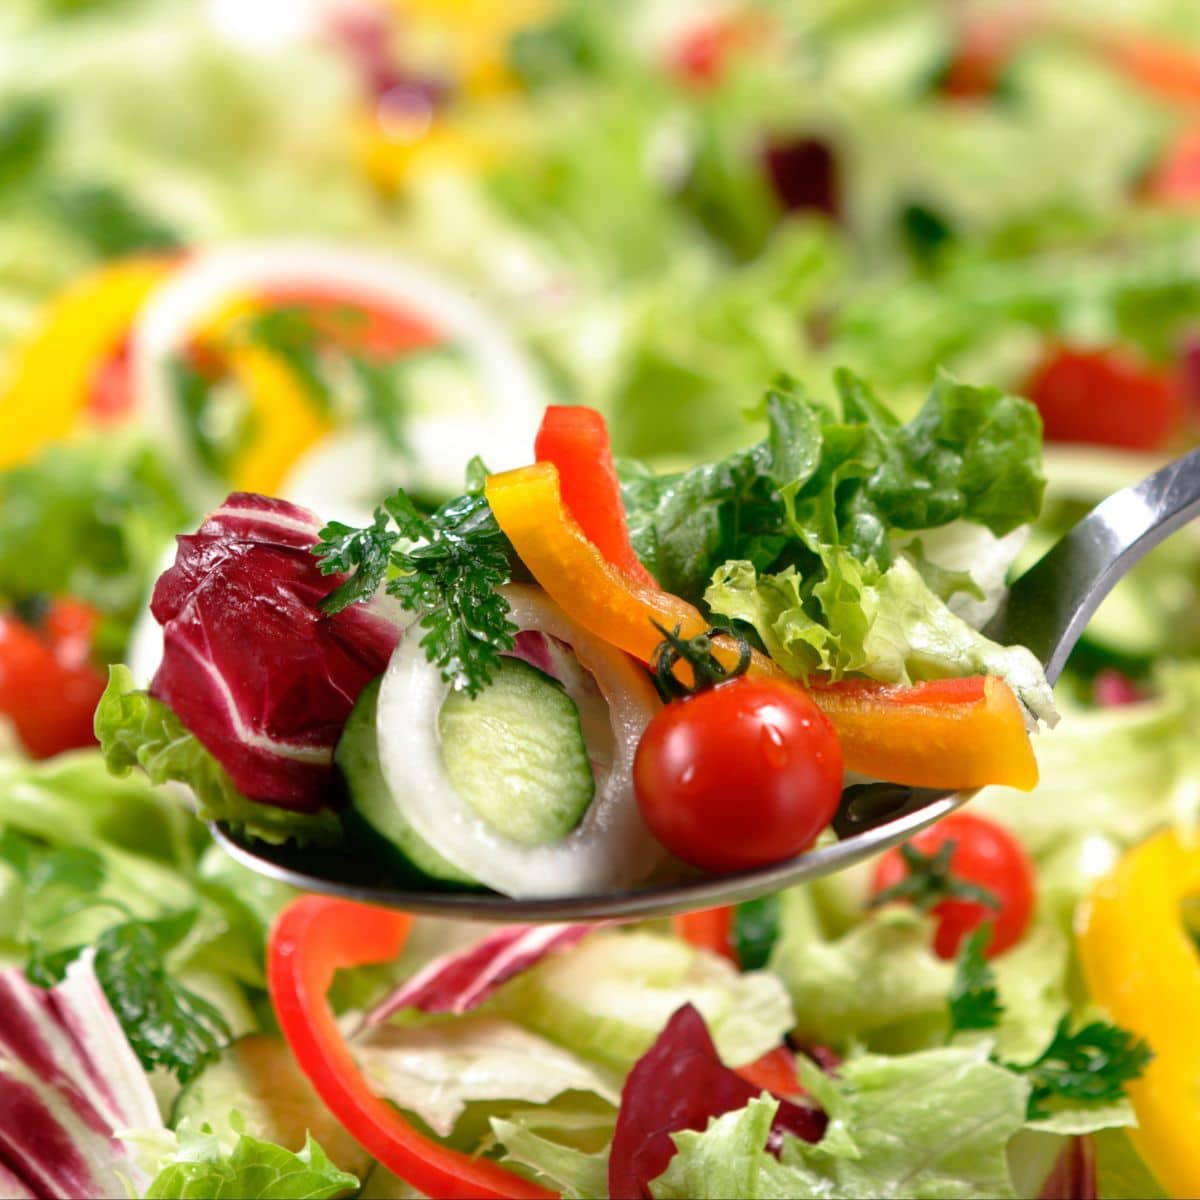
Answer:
(69, 1081)
(459, 982)
(1073, 1176)
(680, 1083)
(250, 664)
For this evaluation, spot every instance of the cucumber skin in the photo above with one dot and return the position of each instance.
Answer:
(371, 818)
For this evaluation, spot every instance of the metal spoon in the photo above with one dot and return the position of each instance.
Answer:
(1046, 610)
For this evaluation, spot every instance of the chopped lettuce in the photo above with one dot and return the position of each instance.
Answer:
(880, 984)
(201, 1167)
(435, 1069)
(577, 1174)
(888, 625)
(935, 1124)
(89, 519)
(135, 729)
(609, 997)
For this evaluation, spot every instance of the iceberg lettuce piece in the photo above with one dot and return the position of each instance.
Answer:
(935, 1123)
(885, 624)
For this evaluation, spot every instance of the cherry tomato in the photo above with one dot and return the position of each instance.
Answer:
(46, 691)
(742, 774)
(985, 854)
(1176, 181)
(1105, 398)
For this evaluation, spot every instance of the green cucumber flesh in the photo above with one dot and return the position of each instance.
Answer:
(516, 754)
(373, 815)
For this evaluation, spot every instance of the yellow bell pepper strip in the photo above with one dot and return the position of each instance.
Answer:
(55, 369)
(1140, 966)
(286, 422)
(898, 734)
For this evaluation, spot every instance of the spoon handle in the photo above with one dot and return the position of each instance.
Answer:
(1050, 605)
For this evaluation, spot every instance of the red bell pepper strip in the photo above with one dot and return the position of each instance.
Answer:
(313, 938)
(709, 929)
(774, 1072)
(575, 439)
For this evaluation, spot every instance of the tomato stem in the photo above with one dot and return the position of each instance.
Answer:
(697, 652)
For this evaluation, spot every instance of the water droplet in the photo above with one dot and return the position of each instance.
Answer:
(773, 747)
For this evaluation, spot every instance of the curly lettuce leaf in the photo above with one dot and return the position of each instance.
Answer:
(886, 624)
(137, 730)
(202, 1167)
(849, 481)
(935, 1123)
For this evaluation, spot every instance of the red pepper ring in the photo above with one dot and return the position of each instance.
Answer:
(314, 937)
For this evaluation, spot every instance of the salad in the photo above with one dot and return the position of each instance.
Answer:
(553, 448)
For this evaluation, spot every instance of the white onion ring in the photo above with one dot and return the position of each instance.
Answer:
(610, 849)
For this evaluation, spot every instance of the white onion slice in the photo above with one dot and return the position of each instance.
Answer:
(611, 847)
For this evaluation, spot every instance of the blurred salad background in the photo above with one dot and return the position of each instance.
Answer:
(319, 249)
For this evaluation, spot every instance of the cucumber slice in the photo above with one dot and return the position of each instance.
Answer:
(609, 848)
(373, 816)
(258, 1078)
(516, 755)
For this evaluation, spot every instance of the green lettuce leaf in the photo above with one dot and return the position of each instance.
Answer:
(880, 984)
(931, 1124)
(89, 519)
(885, 624)
(577, 1174)
(609, 997)
(135, 729)
(253, 1169)
(434, 1070)
(820, 480)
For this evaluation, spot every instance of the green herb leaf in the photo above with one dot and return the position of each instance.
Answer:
(254, 1168)
(363, 554)
(167, 1025)
(108, 221)
(26, 127)
(755, 931)
(449, 566)
(1091, 1065)
(930, 880)
(974, 999)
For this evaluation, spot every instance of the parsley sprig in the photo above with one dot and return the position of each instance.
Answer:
(446, 565)
(1091, 1065)
(974, 998)
(930, 880)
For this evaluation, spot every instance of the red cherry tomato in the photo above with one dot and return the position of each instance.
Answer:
(986, 855)
(49, 696)
(745, 773)
(1105, 398)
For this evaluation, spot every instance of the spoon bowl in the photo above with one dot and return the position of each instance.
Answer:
(1046, 610)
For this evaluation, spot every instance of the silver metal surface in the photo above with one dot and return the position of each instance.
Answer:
(1046, 610)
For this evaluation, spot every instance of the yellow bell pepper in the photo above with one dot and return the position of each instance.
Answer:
(54, 370)
(286, 422)
(954, 734)
(1141, 966)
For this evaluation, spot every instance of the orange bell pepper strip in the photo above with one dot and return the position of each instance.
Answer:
(1140, 965)
(709, 928)
(974, 735)
(313, 938)
(944, 733)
